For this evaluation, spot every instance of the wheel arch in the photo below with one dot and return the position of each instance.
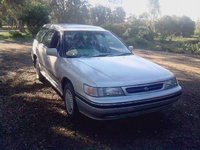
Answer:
(34, 57)
(64, 81)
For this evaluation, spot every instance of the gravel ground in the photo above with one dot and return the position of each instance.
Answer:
(32, 115)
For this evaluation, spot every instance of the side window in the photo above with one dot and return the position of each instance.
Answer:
(55, 40)
(41, 34)
(47, 38)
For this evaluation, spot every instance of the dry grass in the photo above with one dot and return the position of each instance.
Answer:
(32, 115)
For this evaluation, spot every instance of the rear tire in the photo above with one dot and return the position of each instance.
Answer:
(39, 76)
(70, 102)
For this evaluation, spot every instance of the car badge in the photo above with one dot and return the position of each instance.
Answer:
(146, 89)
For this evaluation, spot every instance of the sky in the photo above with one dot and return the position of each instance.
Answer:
(189, 8)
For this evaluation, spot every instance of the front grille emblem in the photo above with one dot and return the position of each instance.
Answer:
(145, 88)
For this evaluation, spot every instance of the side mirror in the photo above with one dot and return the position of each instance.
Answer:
(52, 52)
(130, 48)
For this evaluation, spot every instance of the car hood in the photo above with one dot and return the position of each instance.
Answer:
(121, 70)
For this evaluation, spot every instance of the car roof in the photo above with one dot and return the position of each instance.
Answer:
(73, 27)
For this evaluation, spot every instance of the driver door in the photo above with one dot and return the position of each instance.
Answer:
(52, 64)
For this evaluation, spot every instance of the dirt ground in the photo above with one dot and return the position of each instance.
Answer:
(32, 115)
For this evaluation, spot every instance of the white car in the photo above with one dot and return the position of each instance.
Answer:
(98, 76)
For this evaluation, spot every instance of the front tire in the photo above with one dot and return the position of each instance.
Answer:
(70, 102)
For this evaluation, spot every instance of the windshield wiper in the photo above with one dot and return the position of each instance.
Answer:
(102, 55)
(123, 54)
(120, 54)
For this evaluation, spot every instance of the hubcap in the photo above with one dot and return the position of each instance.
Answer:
(69, 101)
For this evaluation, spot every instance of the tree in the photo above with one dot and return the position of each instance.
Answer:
(69, 11)
(154, 13)
(187, 26)
(118, 15)
(35, 16)
(118, 29)
(166, 26)
(100, 15)
(139, 28)
(154, 8)
(148, 26)
(13, 9)
(173, 25)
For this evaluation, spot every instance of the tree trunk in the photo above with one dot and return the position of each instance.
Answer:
(21, 26)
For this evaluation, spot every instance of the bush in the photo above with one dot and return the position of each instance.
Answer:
(192, 48)
(15, 34)
(140, 43)
(170, 47)
(35, 16)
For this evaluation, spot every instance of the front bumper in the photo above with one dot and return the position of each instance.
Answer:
(109, 111)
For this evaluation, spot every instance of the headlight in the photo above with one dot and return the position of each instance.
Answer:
(110, 91)
(103, 92)
(170, 83)
(92, 91)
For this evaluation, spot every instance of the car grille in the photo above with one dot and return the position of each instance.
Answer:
(144, 88)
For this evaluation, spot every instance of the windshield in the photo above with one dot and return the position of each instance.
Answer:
(93, 44)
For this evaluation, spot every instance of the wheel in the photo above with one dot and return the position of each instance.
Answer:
(39, 76)
(70, 102)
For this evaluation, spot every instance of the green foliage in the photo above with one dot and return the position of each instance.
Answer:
(134, 33)
(15, 34)
(191, 47)
(118, 29)
(69, 11)
(35, 16)
(4, 35)
(166, 26)
(146, 31)
(101, 15)
(180, 45)
(118, 15)
(172, 25)
(12, 10)
(139, 28)
(140, 43)
(187, 26)
(197, 30)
